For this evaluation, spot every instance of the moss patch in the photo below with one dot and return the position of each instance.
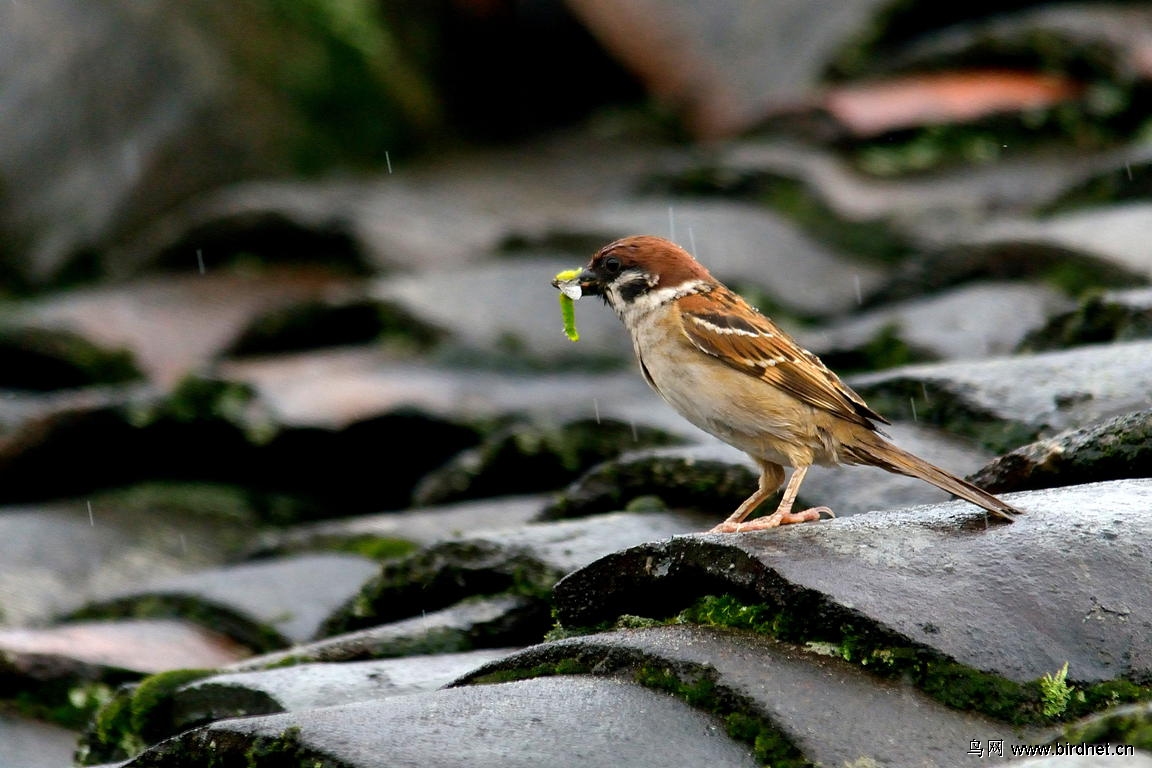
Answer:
(67, 702)
(1124, 725)
(1131, 182)
(1048, 699)
(197, 399)
(872, 239)
(678, 482)
(358, 90)
(769, 745)
(137, 716)
(534, 457)
(374, 547)
(438, 577)
(1097, 319)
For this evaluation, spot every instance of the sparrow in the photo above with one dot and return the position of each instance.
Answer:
(732, 372)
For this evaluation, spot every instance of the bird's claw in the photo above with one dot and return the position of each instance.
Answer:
(774, 520)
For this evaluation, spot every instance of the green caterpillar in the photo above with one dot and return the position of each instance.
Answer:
(567, 305)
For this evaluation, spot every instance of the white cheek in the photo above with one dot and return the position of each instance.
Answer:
(646, 303)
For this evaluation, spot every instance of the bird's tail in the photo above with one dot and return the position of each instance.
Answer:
(878, 452)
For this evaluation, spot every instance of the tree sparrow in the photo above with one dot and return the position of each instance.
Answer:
(730, 371)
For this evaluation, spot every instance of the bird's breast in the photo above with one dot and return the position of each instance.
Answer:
(742, 410)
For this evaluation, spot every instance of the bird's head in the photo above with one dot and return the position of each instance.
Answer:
(641, 271)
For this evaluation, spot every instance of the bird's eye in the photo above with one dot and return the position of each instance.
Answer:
(612, 265)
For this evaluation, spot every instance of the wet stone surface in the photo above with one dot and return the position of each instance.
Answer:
(1016, 601)
(1007, 401)
(526, 560)
(970, 322)
(54, 557)
(418, 526)
(35, 744)
(264, 604)
(820, 709)
(142, 646)
(472, 623)
(309, 686)
(559, 721)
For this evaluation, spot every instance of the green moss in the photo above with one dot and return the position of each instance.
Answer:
(198, 399)
(375, 547)
(729, 611)
(68, 703)
(284, 749)
(1104, 116)
(1124, 725)
(955, 685)
(1097, 319)
(359, 91)
(1131, 182)
(927, 149)
(440, 576)
(698, 689)
(529, 457)
(682, 482)
(1047, 699)
(156, 692)
(135, 717)
(628, 621)
(1082, 277)
(565, 666)
(964, 688)
(1111, 693)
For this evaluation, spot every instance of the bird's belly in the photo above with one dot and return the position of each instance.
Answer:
(744, 412)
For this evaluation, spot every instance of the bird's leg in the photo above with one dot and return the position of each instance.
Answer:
(771, 478)
(783, 514)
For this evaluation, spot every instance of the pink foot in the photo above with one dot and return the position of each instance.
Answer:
(774, 520)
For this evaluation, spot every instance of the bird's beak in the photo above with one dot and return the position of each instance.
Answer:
(589, 283)
(585, 279)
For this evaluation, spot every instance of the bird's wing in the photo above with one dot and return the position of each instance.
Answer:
(726, 327)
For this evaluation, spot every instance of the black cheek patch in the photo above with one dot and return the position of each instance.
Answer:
(631, 286)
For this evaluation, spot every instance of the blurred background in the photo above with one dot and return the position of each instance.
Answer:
(275, 262)
(115, 115)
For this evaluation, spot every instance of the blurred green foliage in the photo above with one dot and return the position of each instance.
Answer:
(357, 90)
